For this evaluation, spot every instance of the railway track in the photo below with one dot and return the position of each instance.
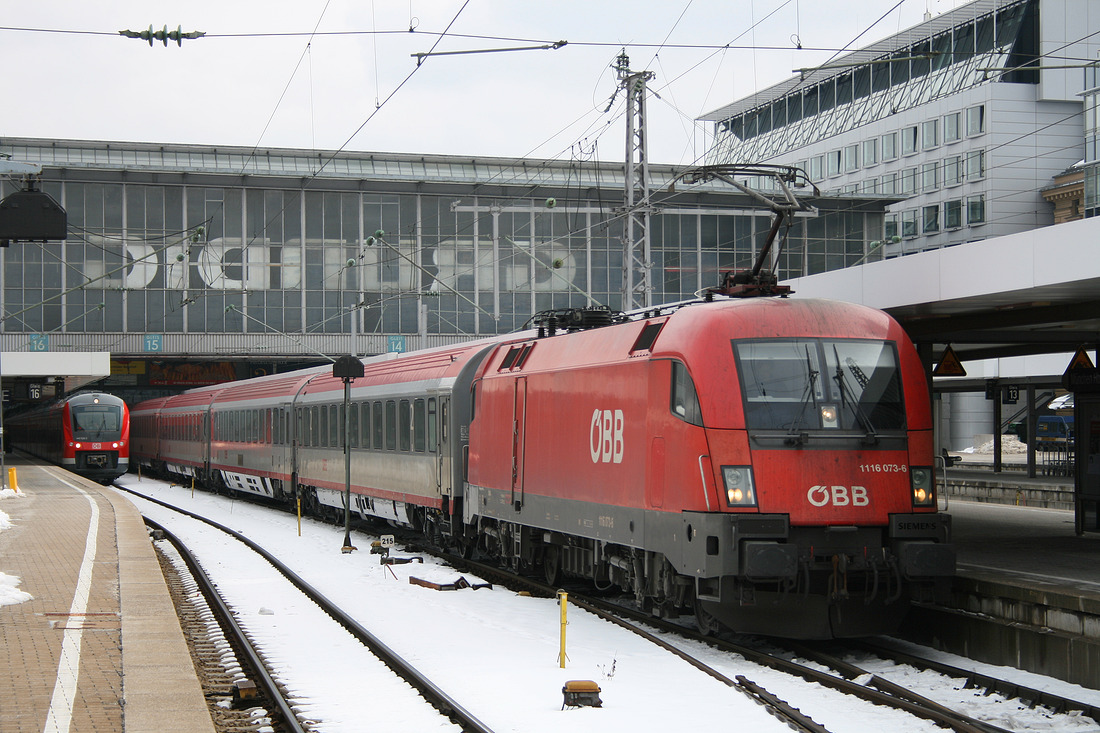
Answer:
(845, 679)
(266, 680)
(844, 676)
(887, 694)
(239, 688)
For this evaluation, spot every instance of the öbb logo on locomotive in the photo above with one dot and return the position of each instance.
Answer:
(605, 436)
(838, 496)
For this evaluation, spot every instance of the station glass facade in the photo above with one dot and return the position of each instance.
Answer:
(263, 261)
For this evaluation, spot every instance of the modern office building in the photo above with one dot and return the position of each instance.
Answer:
(193, 264)
(966, 117)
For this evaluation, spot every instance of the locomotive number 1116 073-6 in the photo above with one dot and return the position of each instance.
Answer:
(883, 468)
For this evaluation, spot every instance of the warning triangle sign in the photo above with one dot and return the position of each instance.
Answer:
(949, 365)
(1080, 360)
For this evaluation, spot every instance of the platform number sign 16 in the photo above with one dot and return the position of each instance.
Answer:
(39, 342)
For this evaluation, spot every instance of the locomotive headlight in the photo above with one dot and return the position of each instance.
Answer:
(77, 446)
(828, 416)
(922, 486)
(739, 488)
(114, 445)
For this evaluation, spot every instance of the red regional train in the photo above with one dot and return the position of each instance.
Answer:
(87, 433)
(763, 464)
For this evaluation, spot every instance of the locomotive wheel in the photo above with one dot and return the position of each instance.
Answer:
(551, 565)
(707, 624)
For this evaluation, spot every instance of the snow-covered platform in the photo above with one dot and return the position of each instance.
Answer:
(88, 632)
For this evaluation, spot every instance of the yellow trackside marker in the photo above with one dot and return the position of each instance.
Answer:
(11, 480)
(563, 601)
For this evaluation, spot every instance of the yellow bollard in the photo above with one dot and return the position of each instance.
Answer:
(192, 486)
(563, 601)
(11, 480)
(299, 516)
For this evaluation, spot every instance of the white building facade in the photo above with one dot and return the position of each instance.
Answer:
(967, 116)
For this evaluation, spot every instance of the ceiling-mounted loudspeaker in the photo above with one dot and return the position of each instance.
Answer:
(31, 215)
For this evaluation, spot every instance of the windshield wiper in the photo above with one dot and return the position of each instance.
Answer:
(794, 435)
(842, 385)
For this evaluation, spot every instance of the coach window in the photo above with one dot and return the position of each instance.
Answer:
(391, 425)
(363, 441)
(322, 417)
(432, 422)
(353, 426)
(419, 426)
(684, 401)
(334, 426)
(405, 425)
(376, 425)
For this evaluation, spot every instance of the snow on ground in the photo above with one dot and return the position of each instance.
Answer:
(9, 584)
(493, 650)
(497, 651)
(1010, 444)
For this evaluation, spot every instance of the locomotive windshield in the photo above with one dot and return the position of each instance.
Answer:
(96, 422)
(820, 384)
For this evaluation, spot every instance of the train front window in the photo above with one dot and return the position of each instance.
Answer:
(92, 422)
(820, 384)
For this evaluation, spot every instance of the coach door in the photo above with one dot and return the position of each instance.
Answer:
(439, 443)
(519, 435)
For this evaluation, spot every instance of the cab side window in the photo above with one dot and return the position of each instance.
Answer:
(684, 402)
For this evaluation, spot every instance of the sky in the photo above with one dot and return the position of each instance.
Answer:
(339, 74)
(504, 666)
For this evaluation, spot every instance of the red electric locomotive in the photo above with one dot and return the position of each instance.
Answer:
(765, 464)
(767, 461)
(87, 433)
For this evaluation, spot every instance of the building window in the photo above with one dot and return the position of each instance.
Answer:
(975, 165)
(851, 158)
(890, 183)
(890, 146)
(975, 120)
(891, 226)
(951, 131)
(909, 140)
(908, 181)
(929, 177)
(952, 171)
(832, 160)
(909, 223)
(816, 167)
(975, 210)
(930, 134)
(952, 214)
(869, 185)
(931, 219)
(870, 152)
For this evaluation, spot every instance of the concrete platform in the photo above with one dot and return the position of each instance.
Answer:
(99, 647)
(1026, 594)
